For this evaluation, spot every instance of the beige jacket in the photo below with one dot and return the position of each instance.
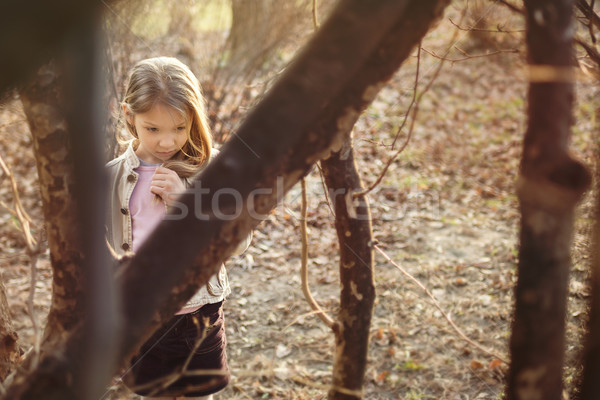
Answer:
(122, 180)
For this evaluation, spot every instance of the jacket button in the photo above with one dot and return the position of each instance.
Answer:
(125, 246)
(124, 211)
(131, 178)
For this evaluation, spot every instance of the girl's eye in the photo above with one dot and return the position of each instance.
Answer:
(181, 128)
(152, 129)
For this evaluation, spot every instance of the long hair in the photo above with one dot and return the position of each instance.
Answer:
(167, 81)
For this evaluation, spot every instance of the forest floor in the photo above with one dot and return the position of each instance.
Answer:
(446, 212)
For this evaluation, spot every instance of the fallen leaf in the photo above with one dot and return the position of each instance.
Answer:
(495, 363)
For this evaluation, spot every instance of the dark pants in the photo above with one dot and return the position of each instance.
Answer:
(168, 349)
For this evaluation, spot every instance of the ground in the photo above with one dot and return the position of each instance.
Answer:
(446, 213)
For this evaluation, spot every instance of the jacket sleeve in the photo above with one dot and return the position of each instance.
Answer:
(244, 244)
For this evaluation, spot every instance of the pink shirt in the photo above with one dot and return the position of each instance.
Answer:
(147, 210)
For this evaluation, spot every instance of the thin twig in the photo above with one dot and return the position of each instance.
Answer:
(201, 337)
(298, 318)
(33, 250)
(314, 14)
(412, 102)
(304, 265)
(510, 6)
(469, 57)
(460, 333)
(19, 210)
(473, 29)
(165, 381)
(591, 15)
(591, 51)
(325, 189)
(412, 123)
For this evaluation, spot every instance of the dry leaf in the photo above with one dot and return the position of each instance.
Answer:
(495, 363)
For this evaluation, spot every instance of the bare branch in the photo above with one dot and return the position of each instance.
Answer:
(33, 250)
(473, 29)
(412, 102)
(437, 305)
(19, 211)
(413, 119)
(510, 6)
(591, 15)
(469, 57)
(314, 14)
(304, 265)
(162, 383)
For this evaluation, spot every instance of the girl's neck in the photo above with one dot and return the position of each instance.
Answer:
(148, 164)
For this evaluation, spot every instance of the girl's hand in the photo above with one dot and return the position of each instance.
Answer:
(166, 184)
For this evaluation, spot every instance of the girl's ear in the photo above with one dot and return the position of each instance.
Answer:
(128, 114)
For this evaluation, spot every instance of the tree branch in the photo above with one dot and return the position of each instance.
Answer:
(304, 265)
(437, 305)
(315, 103)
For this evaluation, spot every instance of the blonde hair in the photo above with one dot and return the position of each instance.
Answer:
(168, 81)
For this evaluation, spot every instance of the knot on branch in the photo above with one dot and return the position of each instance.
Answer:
(556, 189)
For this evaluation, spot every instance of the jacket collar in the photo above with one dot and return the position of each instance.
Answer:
(131, 159)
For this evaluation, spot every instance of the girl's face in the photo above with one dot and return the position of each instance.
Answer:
(162, 132)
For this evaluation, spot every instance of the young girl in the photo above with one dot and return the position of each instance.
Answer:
(164, 111)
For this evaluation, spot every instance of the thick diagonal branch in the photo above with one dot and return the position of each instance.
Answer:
(305, 116)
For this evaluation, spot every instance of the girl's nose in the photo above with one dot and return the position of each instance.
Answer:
(167, 140)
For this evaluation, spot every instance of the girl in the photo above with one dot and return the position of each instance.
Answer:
(164, 111)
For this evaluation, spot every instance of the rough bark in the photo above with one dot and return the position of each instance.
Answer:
(276, 142)
(10, 351)
(354, 232)
(45, 111)
(550, 185)
(62, 110)
(590, 380)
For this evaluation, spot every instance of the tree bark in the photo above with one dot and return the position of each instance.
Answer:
(62, 109)
(54, 158)
(10, 351)
(550, 185)
(354, 232)
(276, 143)
(590, 380)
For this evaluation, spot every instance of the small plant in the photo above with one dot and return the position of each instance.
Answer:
(413, 395)
(410, 365)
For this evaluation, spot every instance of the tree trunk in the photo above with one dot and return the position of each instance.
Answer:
(10, 351)
(549, 188)
(249, 37)
(323, 91)
(62, 109)
(54, 157)
(590, 383)
(353, 226)
(258, 27)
